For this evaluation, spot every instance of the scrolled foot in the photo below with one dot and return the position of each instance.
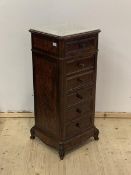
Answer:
(96, 133)
(32, 137)
(61, 151)
(32, 132)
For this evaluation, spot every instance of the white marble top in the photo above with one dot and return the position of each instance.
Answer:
(64, 29)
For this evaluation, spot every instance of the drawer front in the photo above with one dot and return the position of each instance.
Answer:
(78, 126)
(87, 44)
(48, 45)
(77, 111)
(79, 96)
(77, 65)
(87, 78)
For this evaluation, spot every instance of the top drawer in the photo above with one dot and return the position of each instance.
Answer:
(80, 64)
(81, 45)
(43, 43)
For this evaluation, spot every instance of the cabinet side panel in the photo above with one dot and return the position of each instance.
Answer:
(45, 74)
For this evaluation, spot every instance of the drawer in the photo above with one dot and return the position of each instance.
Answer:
(79, 96)
(87, 44)
(78, 126)
(87, 78)
(80, 64)
(77, 111)
(48, 45)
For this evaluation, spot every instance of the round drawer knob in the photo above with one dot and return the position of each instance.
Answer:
(77, 125)
(79, 96)
(81, 65)
(78, 110)
(79, 80)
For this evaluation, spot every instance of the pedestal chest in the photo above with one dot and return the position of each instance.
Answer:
(64, 77)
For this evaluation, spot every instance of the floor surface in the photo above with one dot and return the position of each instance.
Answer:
(111, 155)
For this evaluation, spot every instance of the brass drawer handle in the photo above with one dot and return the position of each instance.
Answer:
(79, 96)
(78, 110)
(77, 125)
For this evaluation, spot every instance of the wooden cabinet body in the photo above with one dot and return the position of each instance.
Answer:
(64, 77)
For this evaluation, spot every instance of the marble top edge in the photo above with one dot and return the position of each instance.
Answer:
(62, 31)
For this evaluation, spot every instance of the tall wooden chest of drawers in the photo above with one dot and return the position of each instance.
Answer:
(64, 77)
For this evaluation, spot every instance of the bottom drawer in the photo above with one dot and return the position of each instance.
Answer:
(78, 126)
